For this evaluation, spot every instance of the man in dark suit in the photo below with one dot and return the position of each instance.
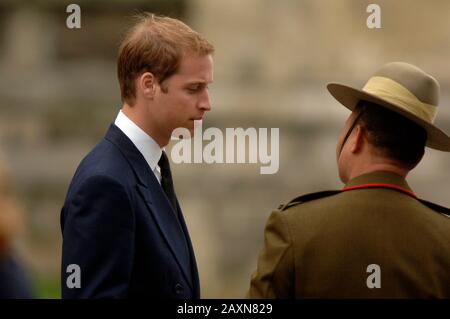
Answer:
(123, 230)
(374, 238)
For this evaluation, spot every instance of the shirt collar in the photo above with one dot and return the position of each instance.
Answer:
(379, 177)
(143, 142)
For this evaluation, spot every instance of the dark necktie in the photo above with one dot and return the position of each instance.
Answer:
(167, 186)
(166, 181)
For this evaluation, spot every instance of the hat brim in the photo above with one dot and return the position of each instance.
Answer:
(349, 97)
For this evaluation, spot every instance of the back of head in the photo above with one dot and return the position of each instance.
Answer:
(155, 44)
(392, 136)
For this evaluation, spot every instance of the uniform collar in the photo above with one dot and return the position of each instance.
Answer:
(380, 179)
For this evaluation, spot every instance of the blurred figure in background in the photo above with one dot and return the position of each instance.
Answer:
(13, 280)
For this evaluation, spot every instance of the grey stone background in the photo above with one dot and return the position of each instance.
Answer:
(59, 94)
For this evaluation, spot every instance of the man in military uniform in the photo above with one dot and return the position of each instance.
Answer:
(374, 238)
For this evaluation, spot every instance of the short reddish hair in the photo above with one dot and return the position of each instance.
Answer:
(155, 44)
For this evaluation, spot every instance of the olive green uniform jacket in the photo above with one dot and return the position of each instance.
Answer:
(374, 239)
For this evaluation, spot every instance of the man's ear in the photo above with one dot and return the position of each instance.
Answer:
(147, 85)
(358, 140)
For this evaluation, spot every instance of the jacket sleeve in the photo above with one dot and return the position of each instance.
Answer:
(98, 236)
(274, 275)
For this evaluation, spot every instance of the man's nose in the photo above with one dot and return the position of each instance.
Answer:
(205, 102)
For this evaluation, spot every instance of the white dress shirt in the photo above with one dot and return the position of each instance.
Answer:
(143, 142)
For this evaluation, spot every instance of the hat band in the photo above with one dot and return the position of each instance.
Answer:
(395, 93)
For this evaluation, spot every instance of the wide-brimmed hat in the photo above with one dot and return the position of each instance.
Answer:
(404, 89)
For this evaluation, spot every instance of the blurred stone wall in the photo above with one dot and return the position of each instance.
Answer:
(59, 94)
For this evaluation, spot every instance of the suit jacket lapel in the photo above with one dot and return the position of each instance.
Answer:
(162, 212)
(156, 201)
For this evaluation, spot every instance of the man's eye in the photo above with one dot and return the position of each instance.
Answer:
(193, 89)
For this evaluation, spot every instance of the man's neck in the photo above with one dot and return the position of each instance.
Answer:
(138, 116)
(376, 167)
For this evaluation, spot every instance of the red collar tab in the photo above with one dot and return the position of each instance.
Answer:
(398, 188)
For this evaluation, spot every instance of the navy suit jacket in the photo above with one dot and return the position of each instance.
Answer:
(119, 227)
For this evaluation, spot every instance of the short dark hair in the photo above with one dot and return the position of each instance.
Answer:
(392, 134)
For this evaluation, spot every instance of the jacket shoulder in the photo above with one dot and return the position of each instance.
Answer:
(437, 208)
(307, 198)
(104, 159)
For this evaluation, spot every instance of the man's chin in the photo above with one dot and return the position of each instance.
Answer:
(195, 126)
(188, 130)
(183, 133)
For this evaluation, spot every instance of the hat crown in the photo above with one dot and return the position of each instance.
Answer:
(422, 85)
(404, 89)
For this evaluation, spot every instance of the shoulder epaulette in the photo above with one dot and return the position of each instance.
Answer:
(306, 198)
(437, 208)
